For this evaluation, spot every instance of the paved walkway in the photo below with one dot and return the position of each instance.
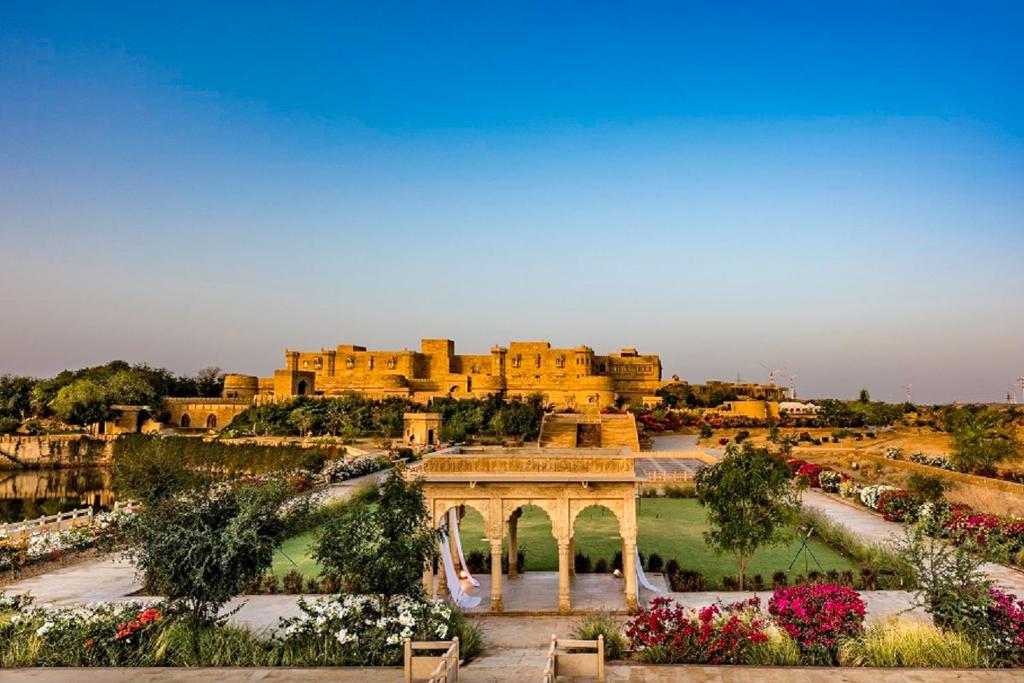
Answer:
(478, 672)
(682, 442)
(874, 529)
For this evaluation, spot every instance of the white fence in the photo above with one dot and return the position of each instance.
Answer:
(61, 520)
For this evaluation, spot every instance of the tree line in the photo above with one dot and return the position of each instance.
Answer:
(82, 397)
(353, 415)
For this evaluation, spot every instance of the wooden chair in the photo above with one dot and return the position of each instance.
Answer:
(432, 668)
(575, 664)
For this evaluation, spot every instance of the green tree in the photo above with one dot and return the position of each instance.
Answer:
(81, 402)
(130, 387)
(381, 549)
(749, 501)
(200, 550)
(864, 397)
(16, 396)
(210, 382)
(982, 439)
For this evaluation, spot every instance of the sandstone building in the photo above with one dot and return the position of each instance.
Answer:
(568, 378)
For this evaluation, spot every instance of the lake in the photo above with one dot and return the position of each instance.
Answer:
(26, 494)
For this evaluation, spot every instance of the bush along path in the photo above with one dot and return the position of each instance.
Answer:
(873, 528)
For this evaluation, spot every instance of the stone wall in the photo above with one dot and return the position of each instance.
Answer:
(54, 450)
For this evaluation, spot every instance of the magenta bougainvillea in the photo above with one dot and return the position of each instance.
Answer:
(1006, 617)
(817, 617)
(666, 632)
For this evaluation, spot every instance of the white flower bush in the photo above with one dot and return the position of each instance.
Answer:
(829, 480)
(894, 453)
(344, 469)
(43, 545)
(931, 461)
(869, 495)
(367, 631)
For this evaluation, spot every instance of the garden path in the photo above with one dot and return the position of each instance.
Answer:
(682, 442)
(873, 529)
(110, 578)
(522, 668)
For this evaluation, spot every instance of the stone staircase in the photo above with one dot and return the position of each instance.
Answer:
(589, 431)
(558, 431)
(619, 431)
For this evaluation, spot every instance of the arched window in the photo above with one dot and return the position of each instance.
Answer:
(185, 421)
(211, 421)
(300, 388)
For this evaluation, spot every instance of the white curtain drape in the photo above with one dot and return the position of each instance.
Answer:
(641, 577)
(453, 524)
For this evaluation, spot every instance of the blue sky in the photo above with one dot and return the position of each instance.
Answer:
(833, 188)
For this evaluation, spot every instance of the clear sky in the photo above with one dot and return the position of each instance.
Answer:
(836, 188)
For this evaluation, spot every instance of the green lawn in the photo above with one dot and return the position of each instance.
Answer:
(671, 527)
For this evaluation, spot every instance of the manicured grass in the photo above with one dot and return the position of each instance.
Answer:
(671, 527)
(296, 553)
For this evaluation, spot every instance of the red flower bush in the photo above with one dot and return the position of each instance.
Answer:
(718, 634)
(126, 631)
(810, 472)
(899, 505)
(817, 616)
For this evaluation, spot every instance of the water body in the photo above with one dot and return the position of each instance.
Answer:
(26, 494)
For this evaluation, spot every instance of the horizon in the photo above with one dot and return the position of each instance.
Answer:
(833, 190)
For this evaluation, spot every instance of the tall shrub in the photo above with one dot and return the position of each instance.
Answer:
(748, 501)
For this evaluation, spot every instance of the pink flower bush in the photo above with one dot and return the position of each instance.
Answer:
(817, 617)
(1006, 616)
(665, 632)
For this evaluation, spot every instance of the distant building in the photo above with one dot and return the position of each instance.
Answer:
(798, 409)
(567, 378)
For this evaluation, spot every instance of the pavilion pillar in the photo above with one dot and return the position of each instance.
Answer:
(564, 560)
(572, 558)
(629, 570)
(496, 605)
(513, 545)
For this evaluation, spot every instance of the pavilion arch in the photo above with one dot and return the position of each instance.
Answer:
(550, 507)
(442, 507)
(186, 421)
(612, 505)
(562, 482)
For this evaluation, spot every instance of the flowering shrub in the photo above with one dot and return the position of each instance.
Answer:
(91, 635)
(849, 489)
(810, 473)
(18, 551)
(342, 469)
(665, 632)
(1006, 622)
(894, 453)
(899, 505)
(870, 495)
(987, 531)
(932, 461)
(817, 617)
(830, 480)
(794, 465)
(361, 630)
